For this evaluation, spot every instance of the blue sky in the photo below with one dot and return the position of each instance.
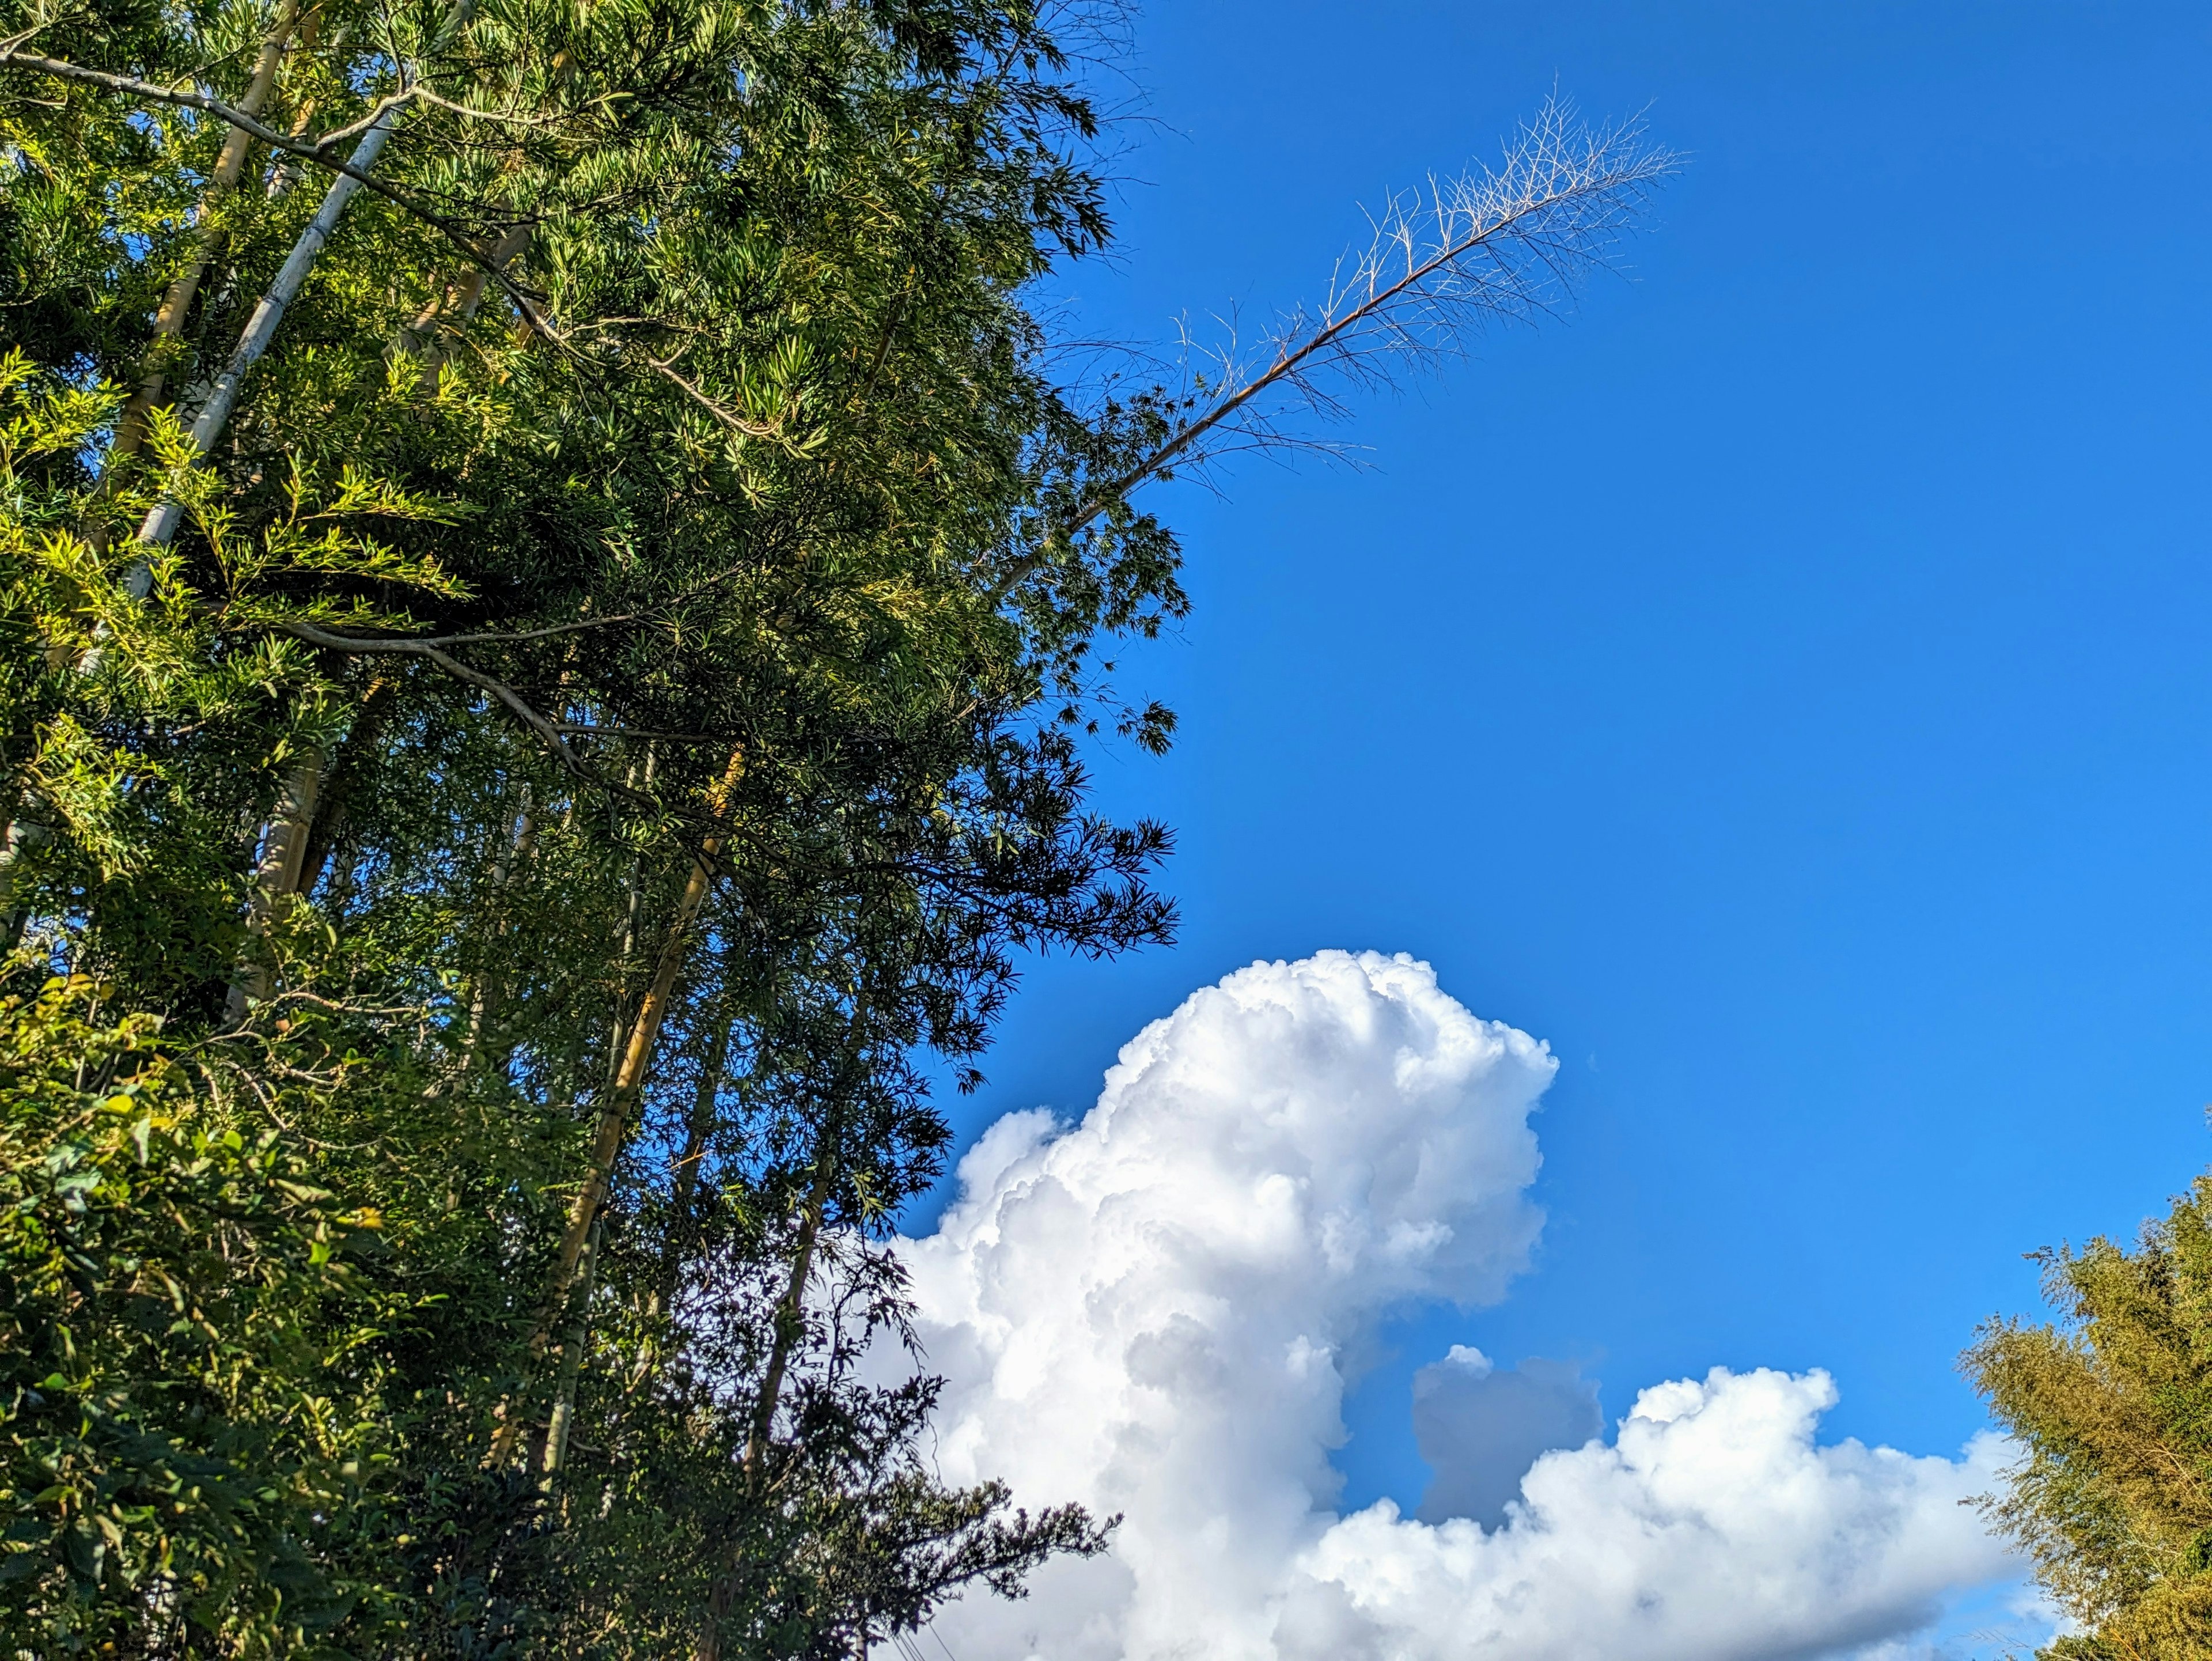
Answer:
(1783, 687)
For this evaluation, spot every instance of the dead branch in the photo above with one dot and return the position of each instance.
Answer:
(1500, 244)
(1497, 244)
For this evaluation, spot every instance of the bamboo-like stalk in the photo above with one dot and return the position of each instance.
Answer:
(451, 311)
(612, 1126)
(17, 840)
(161, 521)
(285, 839)
(790, 1326)
(610, 1129)
(684, 1184)
(572, 1363)
(177, 303)
(297, 839)
(507, 864)
(275, 877)
(354, 753)
(790, 1314)
(131, 424)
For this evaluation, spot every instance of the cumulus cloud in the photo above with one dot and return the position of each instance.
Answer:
(1155, 1311)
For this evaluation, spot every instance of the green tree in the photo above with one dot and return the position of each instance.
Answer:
(2113, 1408)
(554, 606)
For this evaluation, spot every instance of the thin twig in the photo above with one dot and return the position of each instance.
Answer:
(1505, 244)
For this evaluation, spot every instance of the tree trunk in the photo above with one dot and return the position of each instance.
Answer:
(450, 313)
(790, 1324)
(611, 1128)
(21, 835)
(571, 1362)
(790, 1327)
(275, 877)
(485, 995)
(162, 520)
(169, 321)
(683, 1227)
(297, 839)
(344, 777)
(790, 1314)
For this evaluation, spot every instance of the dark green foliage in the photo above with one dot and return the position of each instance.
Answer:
(191, 1331)
(687, 394)
(487, 887)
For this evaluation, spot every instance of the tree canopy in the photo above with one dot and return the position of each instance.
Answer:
(553, 602)
(2111, 1497)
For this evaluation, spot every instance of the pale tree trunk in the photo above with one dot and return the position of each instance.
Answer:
(161, 521)
(131, 424)
(276, 877)
(160, 528)
(284, 839)
(16, 841)
(177, 303)
(292, 852)
(612, 1126)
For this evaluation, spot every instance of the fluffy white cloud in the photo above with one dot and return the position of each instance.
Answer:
(1155, 1312)
(1713, 1528)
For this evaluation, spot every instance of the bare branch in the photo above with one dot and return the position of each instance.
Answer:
(589, 731)
(229, 114)
(665, 368)
(1503, 244)
(315, 149)
(520, 636)
(547, 730)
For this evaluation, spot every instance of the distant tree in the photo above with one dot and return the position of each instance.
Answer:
(2112, 1407)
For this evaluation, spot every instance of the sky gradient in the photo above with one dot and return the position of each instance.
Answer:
(1782, 686)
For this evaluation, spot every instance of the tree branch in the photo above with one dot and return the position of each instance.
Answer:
(547, 730)
(1505, 243)
(314, 149)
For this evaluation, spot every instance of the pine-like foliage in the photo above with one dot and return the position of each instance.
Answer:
(2112, 1407)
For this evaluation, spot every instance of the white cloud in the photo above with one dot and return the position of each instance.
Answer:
(1156, 1310)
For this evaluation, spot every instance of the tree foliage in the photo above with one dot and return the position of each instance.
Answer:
(554, 601)
(2112, 1407)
